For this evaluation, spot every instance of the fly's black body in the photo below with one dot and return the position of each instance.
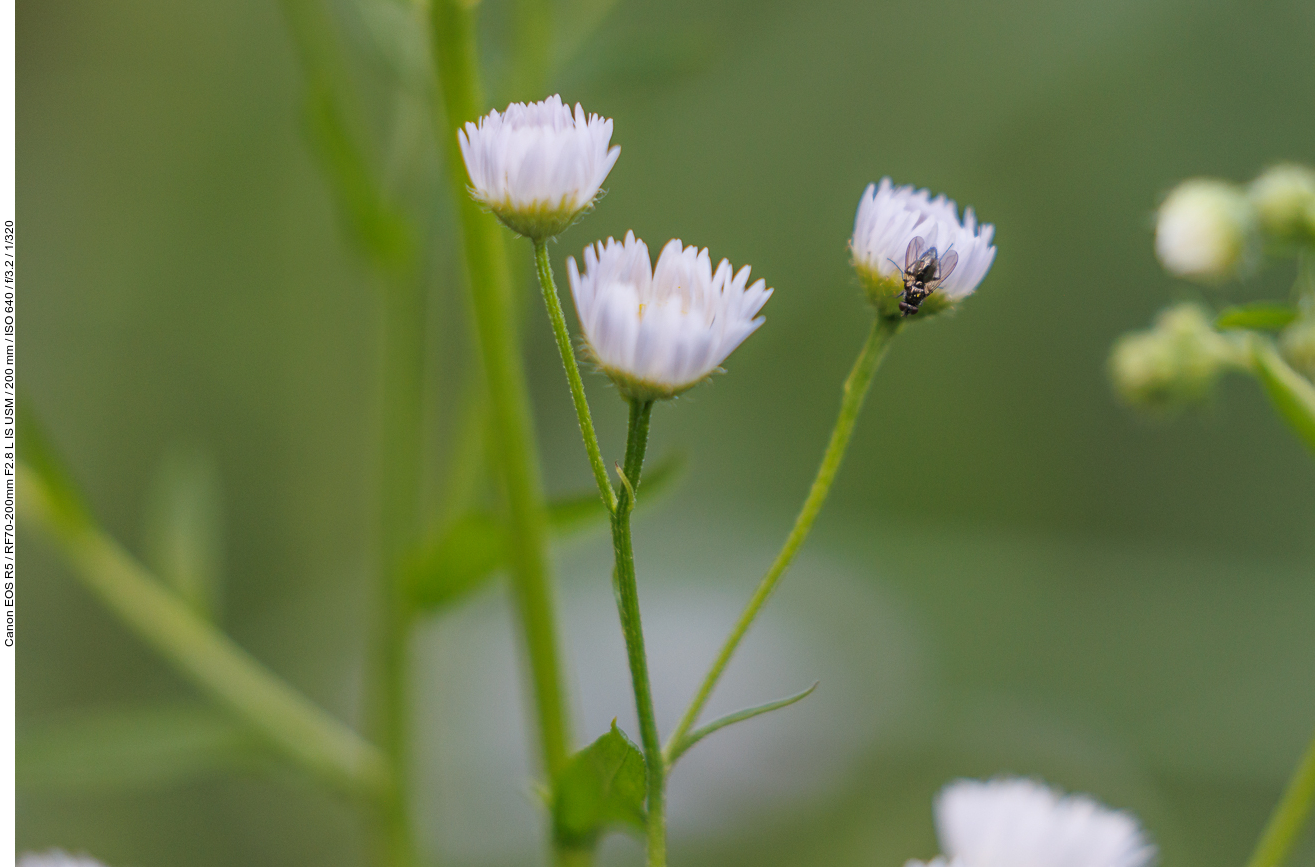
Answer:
(923, 273)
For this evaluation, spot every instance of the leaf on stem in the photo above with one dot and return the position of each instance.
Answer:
(1290, 392)
(1257, 316)
(110, 750)
(601, 786)
(471, 549)
(679, 749)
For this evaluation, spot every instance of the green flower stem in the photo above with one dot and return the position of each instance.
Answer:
(1292, 394)
(201, 653)
(856, 388)
(400, 470)
(452, 26)
(1284, 828)
(554, 304)
(627, 604)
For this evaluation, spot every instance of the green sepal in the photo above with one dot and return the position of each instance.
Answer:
(470, 550)
(885, 293)
(602, 786)
(1257, 316)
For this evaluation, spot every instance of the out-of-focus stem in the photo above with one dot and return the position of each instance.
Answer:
(200, 652)
(400, 469)
(534, 42)
(855, 389)
(452, 25)
(1289, 817)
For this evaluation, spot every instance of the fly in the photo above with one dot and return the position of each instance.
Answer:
(923, 273)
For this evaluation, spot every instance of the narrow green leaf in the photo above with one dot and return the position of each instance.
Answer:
(469, 551)
(128, 748)
(1257, 316)
(679, 749)
(332, 120)
(183, 527)
(601, 786)
(380, 230)
(1290, 392)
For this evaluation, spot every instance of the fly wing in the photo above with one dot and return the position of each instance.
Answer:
(911, 255)
(946, 265)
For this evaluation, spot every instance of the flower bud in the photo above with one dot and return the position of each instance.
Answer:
(1297, 344)
(1206, 230)
(1174, 363)
(1284, 201)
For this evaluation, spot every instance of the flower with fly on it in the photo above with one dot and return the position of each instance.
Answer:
(1021, 823)
(891, 219)
(658, 331)
(538, 167)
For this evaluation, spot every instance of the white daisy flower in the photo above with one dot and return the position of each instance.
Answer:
(538, 166)
(659, 331)
(1021, 823)
(894, 222)
(1206, 230)
(56, 858)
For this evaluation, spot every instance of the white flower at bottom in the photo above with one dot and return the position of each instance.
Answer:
(538, 166)
(1021, 823)
(1206, 230)
(657, 331)
(56, 858)
(890, 217)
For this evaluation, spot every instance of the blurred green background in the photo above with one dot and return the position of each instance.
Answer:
(1014, 574)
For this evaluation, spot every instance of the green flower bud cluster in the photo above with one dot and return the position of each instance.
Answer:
(1174, 363)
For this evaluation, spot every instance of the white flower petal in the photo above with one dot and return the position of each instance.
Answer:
(1021, 823)
(537, 166)
(889, 217)
(56, 858)
(658, 330)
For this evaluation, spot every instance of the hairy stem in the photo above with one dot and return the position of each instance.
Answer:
(627, 604)
(1289, 817)
(452, 25)
(856, 388)
(554, 304)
